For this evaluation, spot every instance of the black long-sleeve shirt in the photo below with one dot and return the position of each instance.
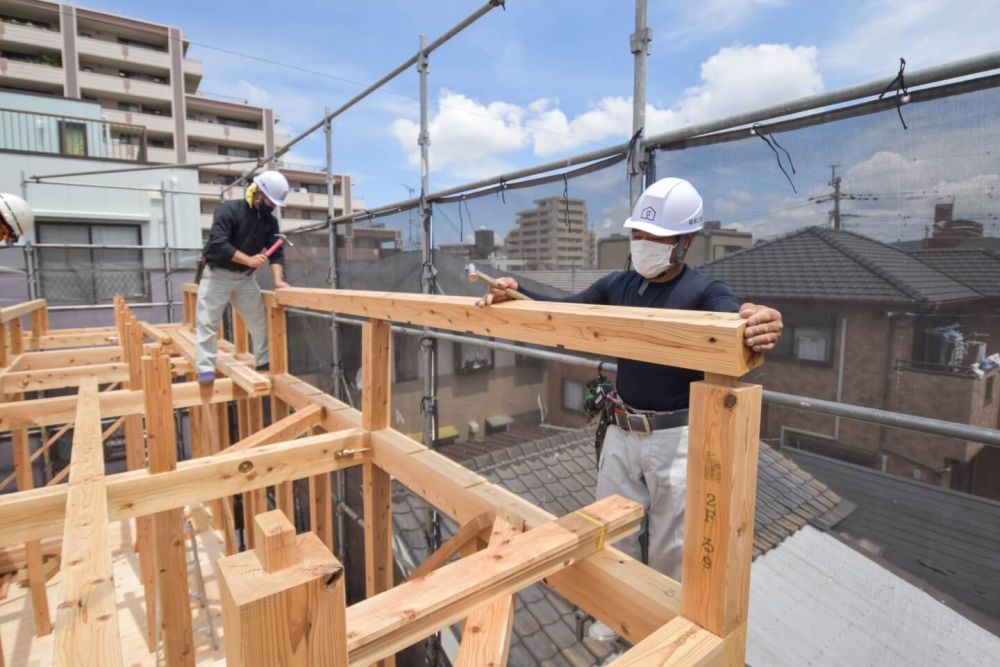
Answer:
(238, 226)
(640, 384)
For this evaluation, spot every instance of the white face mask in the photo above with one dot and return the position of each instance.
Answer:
(650, 258)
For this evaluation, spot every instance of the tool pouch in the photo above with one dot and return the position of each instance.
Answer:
(200, 270)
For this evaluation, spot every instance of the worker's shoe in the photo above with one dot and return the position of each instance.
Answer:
(264, 367)
(205, 379)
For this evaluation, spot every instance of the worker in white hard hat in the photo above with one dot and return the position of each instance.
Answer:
(644, 454)
(16, 218)
(242, 229)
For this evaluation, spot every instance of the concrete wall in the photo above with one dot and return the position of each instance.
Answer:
(62, 203)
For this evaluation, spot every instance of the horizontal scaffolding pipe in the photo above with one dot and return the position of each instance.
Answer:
(145, 167)
(980, 434)
(137, 304)
(952, 70)
(119, 187)
(929, 75)
(410, 62)
(105, 246)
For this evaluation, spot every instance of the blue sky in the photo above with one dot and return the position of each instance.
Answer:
(546, 78)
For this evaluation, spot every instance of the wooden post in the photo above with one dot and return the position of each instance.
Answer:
(375, 405)
(277, 340)
(25, 481)
(283, 603)
(135, 458)
(486, 636)
(721, 490)
(4, 345)
(171, 555)
(16, 336)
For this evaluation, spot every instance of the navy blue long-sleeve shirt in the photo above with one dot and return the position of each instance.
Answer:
(238, 226)
(640, 384)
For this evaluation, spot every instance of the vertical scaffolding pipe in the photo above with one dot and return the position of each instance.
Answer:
(30, 256)
(429, 345)
(639, 45)
(336, 370)
(167, 286)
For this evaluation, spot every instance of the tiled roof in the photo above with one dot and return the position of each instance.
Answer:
(949, 539)
(975, 268)
(559, 474)
(821, 264)
(567, 280)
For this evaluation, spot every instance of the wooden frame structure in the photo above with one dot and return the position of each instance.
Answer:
(139, 374)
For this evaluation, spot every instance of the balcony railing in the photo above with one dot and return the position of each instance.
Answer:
(71, 136)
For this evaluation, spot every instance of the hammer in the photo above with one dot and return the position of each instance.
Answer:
(475, 275)
(277, 244)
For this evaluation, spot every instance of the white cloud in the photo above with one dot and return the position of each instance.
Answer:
(471, 138)
(925, 32)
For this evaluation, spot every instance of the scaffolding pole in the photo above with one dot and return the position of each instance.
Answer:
(167, 286)
(639, 45)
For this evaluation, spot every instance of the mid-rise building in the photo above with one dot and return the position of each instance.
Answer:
(140, 75)
(552, 235)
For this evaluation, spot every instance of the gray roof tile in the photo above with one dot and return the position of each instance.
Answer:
(821, 264)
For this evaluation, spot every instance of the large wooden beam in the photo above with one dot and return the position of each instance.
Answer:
(288, 428)
(40, 513)
(246, 378)
(168, 527)
(87, 618)
(486, 636)
(713, 342)
(380, 626)
(723, 446)
(61, 338)
(87, 356)
(277, 341)
(122, 402)
(58, 378)
(679, 643)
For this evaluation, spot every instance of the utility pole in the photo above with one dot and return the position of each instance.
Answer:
(835, 184)
(639, 46)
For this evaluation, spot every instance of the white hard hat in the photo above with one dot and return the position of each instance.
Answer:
(668, 207)
(16, 216)
(274, 185)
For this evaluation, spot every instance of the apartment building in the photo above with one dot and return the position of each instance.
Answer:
(554, 234)
(140, 75)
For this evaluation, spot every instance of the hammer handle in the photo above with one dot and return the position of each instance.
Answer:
(274, 246)
(493, 283)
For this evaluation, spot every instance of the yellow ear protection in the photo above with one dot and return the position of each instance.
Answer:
(251, 193)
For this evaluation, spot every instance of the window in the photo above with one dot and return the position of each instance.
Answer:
(806, 340)
(472, 358)
(572, 395)
(72, 138)
(87, 276)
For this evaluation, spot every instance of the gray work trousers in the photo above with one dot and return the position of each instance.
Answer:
(217, 288)
(652, 471)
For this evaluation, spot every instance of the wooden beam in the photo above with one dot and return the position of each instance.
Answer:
(245, 377)
(288, 428)
(11, 313)
(466, 532)
(277, 340)
(292, 616)
(40, 512)
(631, 598)
(123, 402)
(39, 322)
(168, 527)
(380, 626)
(275, 541)
(156, 333)
(719, 518)
(63, 377)
(679, 643)
(61, 359)
(486, 636)
(16, 336)
(712, 342)
(4, 345)
(87, 618)
(60, 339)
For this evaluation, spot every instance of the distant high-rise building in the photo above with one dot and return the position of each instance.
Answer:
(554, 234)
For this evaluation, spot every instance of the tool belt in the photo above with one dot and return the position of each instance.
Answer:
(202, 261)
(638, 421)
